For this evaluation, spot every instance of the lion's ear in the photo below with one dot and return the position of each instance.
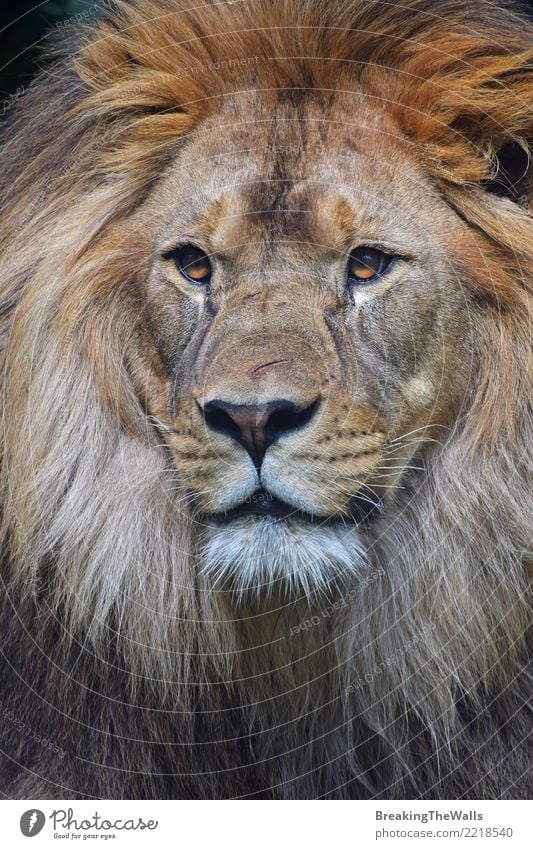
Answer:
(513, 173)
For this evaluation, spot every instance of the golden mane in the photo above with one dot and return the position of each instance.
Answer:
(458, 82)
(127, 651)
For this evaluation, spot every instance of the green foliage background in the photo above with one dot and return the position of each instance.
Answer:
(25, 29)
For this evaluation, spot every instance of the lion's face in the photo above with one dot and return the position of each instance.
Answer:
(309, 328)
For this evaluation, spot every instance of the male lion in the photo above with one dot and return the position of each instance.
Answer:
(265, 282)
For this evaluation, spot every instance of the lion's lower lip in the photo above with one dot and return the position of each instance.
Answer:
(262, 503)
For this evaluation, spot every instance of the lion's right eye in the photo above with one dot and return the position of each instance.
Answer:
(193, 264)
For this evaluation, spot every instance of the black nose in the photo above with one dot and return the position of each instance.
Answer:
(256, 427)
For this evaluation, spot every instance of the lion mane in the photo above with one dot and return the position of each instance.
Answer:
(124, 675)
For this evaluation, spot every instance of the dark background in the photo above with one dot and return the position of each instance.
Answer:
(27, 29)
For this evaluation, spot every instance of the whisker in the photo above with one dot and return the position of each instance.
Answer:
(390, 471)
(403, 436)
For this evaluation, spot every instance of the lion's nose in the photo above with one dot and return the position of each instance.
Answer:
(257, 426)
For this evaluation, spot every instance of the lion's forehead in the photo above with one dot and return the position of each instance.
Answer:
(305, 171)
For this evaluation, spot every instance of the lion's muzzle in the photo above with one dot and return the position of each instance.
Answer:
(267, 412)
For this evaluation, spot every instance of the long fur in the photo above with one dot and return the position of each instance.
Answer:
(411, 681)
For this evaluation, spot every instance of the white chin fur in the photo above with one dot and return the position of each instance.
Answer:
(261, 555)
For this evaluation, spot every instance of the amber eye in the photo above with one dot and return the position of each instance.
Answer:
(193, 263)
(367, 264)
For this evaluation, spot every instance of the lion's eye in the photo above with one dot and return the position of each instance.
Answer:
(367, 264)
(193, 263)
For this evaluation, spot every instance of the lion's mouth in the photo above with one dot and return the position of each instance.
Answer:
(262, 503)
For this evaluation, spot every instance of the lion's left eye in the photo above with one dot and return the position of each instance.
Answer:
(367, 264)
(193, 264)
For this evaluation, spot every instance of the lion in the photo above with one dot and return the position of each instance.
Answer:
(266, 383)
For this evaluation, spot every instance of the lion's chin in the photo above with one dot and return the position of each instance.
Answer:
(268, 556)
